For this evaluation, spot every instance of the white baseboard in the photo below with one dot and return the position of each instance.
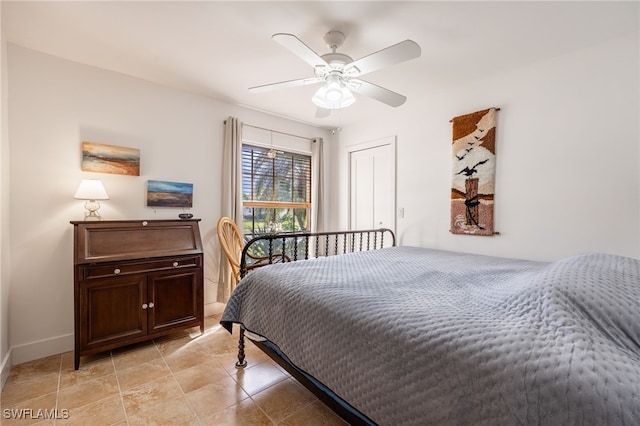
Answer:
(5, 369)
(55, 345)
(213, 308)
(42, 348)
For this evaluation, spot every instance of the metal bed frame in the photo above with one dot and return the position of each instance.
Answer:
(291, 247)
(303, 245)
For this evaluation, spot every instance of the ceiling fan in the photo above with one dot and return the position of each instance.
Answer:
(341, 74)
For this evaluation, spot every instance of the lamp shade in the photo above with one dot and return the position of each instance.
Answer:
(91, 189)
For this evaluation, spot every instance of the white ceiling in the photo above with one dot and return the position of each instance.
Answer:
(220, 49)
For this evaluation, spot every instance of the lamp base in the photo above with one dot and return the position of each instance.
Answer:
(92, 216)
(92, 207)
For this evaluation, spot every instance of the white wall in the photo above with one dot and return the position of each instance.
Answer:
(5, 359)
(56, 104)
(568, 156)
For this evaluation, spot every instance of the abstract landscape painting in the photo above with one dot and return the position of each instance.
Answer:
(169, 194)
(104, 158)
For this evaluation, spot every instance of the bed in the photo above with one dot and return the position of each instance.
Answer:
(416, 336)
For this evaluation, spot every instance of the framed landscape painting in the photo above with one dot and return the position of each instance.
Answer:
(103, 158)
(169, 194)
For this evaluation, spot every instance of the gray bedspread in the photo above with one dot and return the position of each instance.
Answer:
(413, 336)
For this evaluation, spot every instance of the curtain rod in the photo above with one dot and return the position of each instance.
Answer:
(276, 131)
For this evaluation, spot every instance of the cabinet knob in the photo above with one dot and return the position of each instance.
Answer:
(151, 305)
(145, 223)
(175, 264)
(116, 271)
(144, 306)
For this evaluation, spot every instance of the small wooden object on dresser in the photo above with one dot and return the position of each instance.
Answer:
(135, 280)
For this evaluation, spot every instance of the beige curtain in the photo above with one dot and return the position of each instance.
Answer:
(231, 195)
(317, 180)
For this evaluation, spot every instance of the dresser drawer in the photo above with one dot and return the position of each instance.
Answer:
(124, 268)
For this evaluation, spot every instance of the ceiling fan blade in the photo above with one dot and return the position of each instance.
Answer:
(395, 54)
(285, 84)
(295, 45)
(376, 92)
(322, 112)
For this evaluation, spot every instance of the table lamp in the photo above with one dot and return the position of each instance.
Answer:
(91, 190)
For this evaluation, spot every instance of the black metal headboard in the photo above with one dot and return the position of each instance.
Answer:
(290, 246)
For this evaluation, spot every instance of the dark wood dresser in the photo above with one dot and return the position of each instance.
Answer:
(135, 280)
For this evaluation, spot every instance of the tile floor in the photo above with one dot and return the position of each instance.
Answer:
(182, 379)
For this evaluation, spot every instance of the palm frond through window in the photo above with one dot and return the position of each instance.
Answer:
(276, 191)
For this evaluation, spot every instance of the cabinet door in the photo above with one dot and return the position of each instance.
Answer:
(177, 299)
(111, 310)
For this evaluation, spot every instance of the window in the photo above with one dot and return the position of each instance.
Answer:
(276, 192)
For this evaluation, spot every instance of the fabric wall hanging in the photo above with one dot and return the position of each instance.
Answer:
(473, 176)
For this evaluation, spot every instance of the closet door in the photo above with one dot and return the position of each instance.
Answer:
(372, 184)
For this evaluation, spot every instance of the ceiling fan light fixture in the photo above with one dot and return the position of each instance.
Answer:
(333, 95)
